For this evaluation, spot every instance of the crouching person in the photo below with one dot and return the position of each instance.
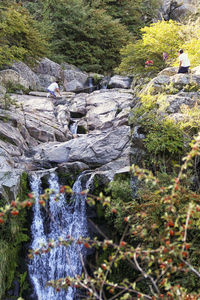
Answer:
(52, 89)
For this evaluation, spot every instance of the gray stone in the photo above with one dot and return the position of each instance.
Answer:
(9, 184)
(28, 75)
(180, 80)
(196, 71)
(175, 101)
(178, 9)
(48, 67)
(45, 81)
(118, 81)
(74, 80)
(157, 84)
(2, 90)
(92, 149)
(11, 76)
(169, 71)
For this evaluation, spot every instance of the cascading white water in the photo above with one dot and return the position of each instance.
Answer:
(65, 220)
(74, 127)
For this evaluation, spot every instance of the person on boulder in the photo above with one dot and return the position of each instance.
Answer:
(52, 88)
(184, 62)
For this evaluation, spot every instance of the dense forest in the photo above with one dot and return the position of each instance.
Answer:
(153, 246)
(88, 34)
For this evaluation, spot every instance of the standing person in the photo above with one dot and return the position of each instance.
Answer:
(184, 62)
(52, 88)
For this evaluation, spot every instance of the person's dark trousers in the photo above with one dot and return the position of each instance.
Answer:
(183, 70)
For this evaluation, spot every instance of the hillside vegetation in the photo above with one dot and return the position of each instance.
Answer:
(152, 249)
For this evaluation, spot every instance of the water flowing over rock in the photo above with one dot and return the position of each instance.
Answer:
(37, 132)
(65, 220)
(86, 132)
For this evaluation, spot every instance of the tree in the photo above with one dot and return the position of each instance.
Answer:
(81, 35)
(163, 36)
(134, 14)
(19, 36)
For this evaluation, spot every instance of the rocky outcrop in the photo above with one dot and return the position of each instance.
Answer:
(48, 67)
(118, 81)
(73, 78)
(8, 77)
(175, 94)
(28, 75)
(92, 149)
(167, 80)
(177, 9)
(36, 132)
(104, 145)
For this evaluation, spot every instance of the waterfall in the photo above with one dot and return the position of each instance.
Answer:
(74, 127)
(64, 220)
(90, 84)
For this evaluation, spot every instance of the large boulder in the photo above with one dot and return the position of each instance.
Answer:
(157, 84)
(170, 71)
(9, 184)
(13, 77)
(6, 162)
(26, 73)
(173, 103)
(118, 81)
(180, 80)
(43, 121)
(48, 67)
(73, 78)
(196, 71)
(77, 105)
(105, 107)
(92, 149)
(45, 81)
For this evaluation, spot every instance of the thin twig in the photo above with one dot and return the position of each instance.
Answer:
(145, 275)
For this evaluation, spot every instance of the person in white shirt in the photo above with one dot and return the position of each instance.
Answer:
(184, 62)
(52, 88)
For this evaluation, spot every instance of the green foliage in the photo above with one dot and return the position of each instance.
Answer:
(120, 191)
(83, 36)
(93, 42)
(23, 283)
(13, 87)
(190, 123)
(165, 141)
(13, 235)
(19, 36)
(164, 138)
(134, 14)
(6, 102)
(163, 36)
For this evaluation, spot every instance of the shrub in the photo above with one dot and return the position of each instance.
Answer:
(163, 36)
